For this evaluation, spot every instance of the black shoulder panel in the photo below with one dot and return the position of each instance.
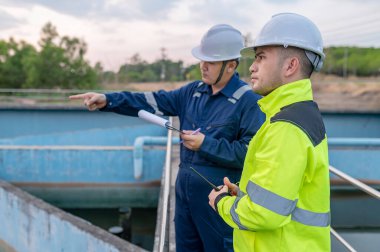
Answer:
(306, 116)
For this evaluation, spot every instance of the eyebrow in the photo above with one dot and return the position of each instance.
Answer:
(259, 53)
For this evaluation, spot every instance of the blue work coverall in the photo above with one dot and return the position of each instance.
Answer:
(228, 119)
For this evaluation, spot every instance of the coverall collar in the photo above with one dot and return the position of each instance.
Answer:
(232, 85)
(285, 95)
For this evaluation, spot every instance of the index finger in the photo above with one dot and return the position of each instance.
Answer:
(186, 132)
(187, 137)
(78, 96)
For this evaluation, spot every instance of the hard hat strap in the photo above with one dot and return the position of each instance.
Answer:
(237, 63)
(313, 58)
(221, 72)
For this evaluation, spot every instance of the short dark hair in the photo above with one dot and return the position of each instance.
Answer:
(306, 66)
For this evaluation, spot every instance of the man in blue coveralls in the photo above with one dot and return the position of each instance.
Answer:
(226, 111)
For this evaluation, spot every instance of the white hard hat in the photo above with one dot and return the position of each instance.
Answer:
(290, 29)
(221, 42)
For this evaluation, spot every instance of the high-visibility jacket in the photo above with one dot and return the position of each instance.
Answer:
(284, 198)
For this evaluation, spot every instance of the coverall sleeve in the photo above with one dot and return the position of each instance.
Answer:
(279, 168)
(161, 102)
(232, 154)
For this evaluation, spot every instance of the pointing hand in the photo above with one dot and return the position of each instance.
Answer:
(91, 100)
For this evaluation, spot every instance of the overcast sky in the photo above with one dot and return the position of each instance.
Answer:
(114, 30)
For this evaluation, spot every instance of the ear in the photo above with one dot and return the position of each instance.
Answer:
(231, 66)
(292, 65)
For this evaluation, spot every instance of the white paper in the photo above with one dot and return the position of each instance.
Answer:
(152, 118)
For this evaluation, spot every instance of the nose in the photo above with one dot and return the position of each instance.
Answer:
(203, 65)
(253, 67)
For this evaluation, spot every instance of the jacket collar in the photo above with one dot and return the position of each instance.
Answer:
(285, 95)
(233, 84)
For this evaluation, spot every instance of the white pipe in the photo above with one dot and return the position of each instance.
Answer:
(138, 151)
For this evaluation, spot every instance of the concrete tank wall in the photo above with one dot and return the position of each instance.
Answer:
(31, 225)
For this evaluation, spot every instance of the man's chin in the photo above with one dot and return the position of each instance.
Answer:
(207, 81)
(255, 88)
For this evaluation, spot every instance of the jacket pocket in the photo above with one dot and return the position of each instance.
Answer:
(226, 129)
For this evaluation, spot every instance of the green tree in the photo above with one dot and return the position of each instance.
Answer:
(139, 70)
(132, 71)
(60, 63)
(344, 61)
(193, 72)
(168, 70)
(14, 58)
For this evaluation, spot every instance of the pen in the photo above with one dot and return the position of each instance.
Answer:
(193, 133)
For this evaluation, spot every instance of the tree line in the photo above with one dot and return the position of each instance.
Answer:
(356, 61)
(60, 63)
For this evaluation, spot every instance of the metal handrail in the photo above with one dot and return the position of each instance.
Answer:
(66, 147)
(166, 185)
(367, 189)
(342, 240)
(51, 91)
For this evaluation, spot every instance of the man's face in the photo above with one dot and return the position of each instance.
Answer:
(266, 70)
(210, 71)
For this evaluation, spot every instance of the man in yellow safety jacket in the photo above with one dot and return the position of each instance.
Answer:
(283, 200)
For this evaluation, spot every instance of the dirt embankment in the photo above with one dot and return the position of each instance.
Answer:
(332, 93)
(347, 94)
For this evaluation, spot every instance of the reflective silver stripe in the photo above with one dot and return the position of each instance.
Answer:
(285, 207)
(197, 94)
(240, 194)
(152, 102)
(235, 216)
(269, 200)
(232, 100)
(311, 218)
(239, 93)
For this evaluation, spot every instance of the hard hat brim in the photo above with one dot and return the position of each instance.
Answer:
(197, 53)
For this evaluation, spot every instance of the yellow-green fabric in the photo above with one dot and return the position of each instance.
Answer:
(283, 163)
